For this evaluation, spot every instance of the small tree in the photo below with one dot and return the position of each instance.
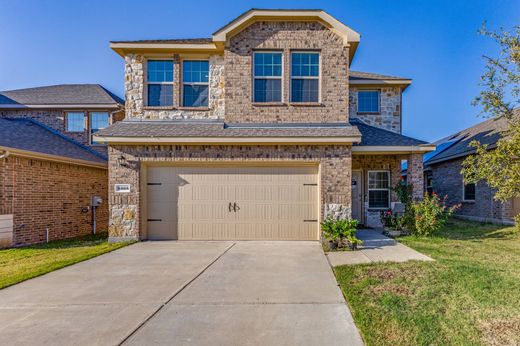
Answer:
(500, 97)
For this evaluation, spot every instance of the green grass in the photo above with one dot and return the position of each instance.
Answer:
(19, 264)
(469, 296)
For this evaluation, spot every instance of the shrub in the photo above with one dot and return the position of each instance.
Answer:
(517, 222)
(393, 221)
(431, 214)
(339, 230)
(403, 192)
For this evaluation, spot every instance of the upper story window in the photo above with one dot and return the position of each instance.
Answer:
(159, 78)
(368, 101)
(305, 76)
(195, 79)
(267, 77)
(469, 192)
(98, 121)
(378, 189)
(75, 121)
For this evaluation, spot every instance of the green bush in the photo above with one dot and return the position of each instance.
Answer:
(431, 214)
(339, 230)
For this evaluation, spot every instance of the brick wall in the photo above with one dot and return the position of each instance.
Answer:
(389, 117)
(335, 164)
(45, 194)
(447, 180)
(286, 36)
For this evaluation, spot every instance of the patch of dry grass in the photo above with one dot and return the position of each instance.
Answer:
(469, 296)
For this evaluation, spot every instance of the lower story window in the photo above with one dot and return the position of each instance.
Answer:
(469, 192)
(379, 189)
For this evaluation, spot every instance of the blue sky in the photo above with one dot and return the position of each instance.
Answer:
(433, 42)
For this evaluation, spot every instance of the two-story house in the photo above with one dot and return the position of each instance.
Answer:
(258, 132)
(50, 166)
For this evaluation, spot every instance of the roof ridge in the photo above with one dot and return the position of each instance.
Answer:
(61, 135)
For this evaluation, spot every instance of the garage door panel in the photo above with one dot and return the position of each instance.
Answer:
(273, 202)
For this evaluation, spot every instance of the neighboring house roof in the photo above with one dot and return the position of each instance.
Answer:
(63, 95)
(217, 131)
(457, 145)
(29, 136)
(377, 138)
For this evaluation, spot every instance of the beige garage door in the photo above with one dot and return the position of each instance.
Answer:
(239, 203)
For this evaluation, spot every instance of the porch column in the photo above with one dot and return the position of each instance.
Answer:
(416, 175)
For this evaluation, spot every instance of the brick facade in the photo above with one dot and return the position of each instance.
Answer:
(334, 161)
(447, 180)
(286, 36)
(44, 194)
(389, 117)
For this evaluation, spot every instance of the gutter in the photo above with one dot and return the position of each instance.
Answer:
(227, 140)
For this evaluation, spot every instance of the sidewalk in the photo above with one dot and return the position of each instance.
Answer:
(376, 248)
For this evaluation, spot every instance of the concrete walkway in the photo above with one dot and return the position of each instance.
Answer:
(184, 293)
(376, 248)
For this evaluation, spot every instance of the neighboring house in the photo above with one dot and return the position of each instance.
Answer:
(46, 184)
(258, 132)
(442, 169)
(49, 165)
(76, 110)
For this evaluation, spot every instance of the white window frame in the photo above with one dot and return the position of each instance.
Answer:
(146, 83)
(67, 121)
(464, 199)
(378, 189)
(378, 101)
(281, 77)
(305, 77)
(181, 75)
(90, 126)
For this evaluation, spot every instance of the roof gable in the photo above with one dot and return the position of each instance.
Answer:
(244, 20)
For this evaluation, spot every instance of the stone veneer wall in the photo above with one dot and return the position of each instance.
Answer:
(447, 180)
(44, 194)
(286, 36)
(335, 164)
(390, 116)
(135, 79)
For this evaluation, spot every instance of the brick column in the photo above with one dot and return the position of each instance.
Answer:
(416, 175)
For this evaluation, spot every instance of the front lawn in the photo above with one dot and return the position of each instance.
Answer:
(20, 264)
(469, 296)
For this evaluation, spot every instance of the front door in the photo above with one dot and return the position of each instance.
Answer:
(357, 194)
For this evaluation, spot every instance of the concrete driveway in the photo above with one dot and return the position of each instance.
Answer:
(184, 293)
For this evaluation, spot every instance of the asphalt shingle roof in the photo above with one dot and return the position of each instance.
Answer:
(63, 94)
(173, 40)
(457, 145)
(27, 134)
(356, 75)
(219, 129)
(374, 136)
